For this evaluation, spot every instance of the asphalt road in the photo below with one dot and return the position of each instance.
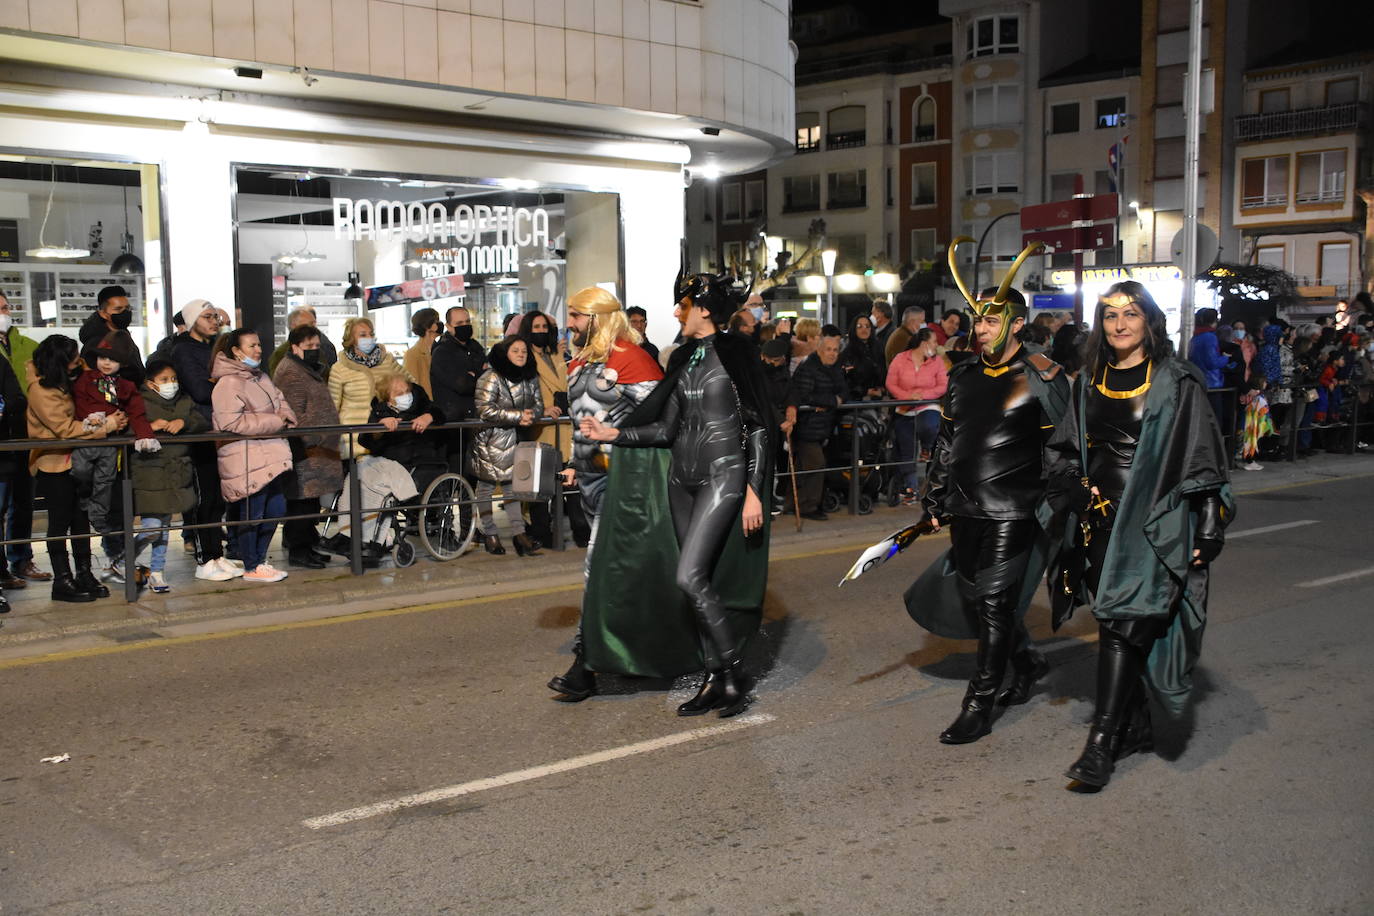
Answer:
(196, 763)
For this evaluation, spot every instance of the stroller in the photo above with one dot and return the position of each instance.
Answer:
(873, 427)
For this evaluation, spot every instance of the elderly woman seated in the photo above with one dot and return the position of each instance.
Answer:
(402, 459)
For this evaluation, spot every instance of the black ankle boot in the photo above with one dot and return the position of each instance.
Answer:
(492, 543)
(1095, 765)
(708, 697)
(575, 684)
(64, 587)
(974, 720)
(86, 580)
(1023, 678)
(734, 693)
(526, 546)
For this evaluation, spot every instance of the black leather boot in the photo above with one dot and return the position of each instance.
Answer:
(996, 625)
(64, 587)
(86, 580)
(974, 720)
(1137, 732)
(575, 684)
(492, 543)
(708, 697)
(735, 691)
(1095, 765)
(4, 604)
(1119, 664)
(1028, 667)
(526, 546)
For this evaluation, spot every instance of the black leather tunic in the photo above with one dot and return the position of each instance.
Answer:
(1115, 408)
(987, 461)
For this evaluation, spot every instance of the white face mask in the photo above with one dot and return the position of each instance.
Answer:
(404, 402)
(367, 344)
(6, 322)
(169, 390)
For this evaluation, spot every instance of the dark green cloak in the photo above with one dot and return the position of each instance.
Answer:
(934, 601)
(1147, 572)
(635, 620)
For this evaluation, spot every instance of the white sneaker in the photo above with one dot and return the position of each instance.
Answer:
(230, 570)
(236, 564)
(115, 572)
(157, 583)
(212, 571)
(1253, 465)
(264, 573)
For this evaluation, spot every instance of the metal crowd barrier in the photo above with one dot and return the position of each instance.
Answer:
(355, 509)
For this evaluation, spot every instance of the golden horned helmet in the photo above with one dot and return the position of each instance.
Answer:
(999, 304)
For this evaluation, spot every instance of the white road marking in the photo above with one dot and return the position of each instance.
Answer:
(1232, 535)
(548, 769)
(1316, 583)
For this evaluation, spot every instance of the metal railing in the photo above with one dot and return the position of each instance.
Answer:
(1325, 120)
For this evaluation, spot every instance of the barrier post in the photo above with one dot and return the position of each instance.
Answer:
(355, 511)
(1296, 408)
(126, 497)
(556, 510)
(1354, 419)
(853, 468)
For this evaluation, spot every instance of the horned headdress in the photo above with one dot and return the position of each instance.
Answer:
(999, 304)
(713, 292)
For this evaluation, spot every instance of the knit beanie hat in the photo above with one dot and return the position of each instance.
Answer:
(193, 310)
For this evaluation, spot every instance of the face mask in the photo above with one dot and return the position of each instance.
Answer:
(122, 320)
(403, 402)
(311, 358)
(757, 313)
(367, 344)
(1239, 335)
(5, 322)
(251, 363)
(540, 338)
(74, 373)
(463, 333)
(169, 390)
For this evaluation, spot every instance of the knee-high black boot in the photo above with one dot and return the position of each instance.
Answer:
(996, 626)
(578, 682)
(1027, 667)
(1119, 666)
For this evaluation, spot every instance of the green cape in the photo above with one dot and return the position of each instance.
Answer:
(1148, 572)
(635, 620)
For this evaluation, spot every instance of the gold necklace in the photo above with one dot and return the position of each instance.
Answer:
(1102, 388)
(991, 370)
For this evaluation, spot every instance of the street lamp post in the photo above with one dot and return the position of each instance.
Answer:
(828, 265)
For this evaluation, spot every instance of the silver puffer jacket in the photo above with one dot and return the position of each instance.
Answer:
(500, 400)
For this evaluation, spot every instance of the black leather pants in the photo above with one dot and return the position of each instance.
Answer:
(1123, 647)
(989, 557)
(702, 516)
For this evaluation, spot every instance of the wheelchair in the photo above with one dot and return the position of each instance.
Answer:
(443, 517)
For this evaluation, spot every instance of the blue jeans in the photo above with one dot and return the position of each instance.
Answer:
(912, 429)
(254, 539)
(157, 538)
(16, 517)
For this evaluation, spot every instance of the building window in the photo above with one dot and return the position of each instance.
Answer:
(846, 189)
(1111, 112)
(734, 254)
(989, 105)
(808, 131)
(846, 128)
(1270, 256)
(801, 192)
(730, 205)
(753, 199)
(923, 120)
(1334, 263)
(993, 173)
(923, 177)
(1264, 182)
(924, 247)
(1321, 177)
(1002, 244)
(1062, 185)
(1064, 118)
(1272, 100)
(1102, 182)
(994, 35)
(1343, 91)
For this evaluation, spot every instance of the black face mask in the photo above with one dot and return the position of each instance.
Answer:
(311, 358)
(122, 320)
(74, 373)
(462, 333)
(540, 339)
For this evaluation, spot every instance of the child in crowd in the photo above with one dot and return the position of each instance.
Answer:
(1328, 390)
(164, 481)
(100, 391)
(1257, 423)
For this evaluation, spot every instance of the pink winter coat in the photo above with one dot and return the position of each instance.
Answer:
(907, 383)
(246, 402)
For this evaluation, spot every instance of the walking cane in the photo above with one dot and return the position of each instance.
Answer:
(792, 472)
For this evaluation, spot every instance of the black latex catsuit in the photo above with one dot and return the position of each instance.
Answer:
(985, 473)
(1112, 421)
(716, 450)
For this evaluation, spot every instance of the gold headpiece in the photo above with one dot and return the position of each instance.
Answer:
(998, 303)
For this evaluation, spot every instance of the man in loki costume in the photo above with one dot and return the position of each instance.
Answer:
(677, 580)
(985, 481)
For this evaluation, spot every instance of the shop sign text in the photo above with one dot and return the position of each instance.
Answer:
(1141, 273)
(479, 259)
(357, 220)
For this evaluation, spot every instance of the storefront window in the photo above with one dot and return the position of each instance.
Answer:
(496, 248)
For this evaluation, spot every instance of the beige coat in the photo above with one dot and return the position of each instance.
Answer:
(351, 386)
(246, 402)
(52, 415)
(553, 377)
(417, 362)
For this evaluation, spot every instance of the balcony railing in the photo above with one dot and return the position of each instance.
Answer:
(1333, 119)
(1264, 200)
(846, 139)
(808, 146)
(1324, 196)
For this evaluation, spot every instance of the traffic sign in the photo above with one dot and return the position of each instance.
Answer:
(1074, 210)
(1072, 239)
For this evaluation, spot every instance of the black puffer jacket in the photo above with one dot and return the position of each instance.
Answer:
(13, 422)
(816, 390)
(405, 446)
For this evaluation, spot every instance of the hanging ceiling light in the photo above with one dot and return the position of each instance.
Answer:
(44, 250)
(127, 264)
(303, 255)
(354, 291)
